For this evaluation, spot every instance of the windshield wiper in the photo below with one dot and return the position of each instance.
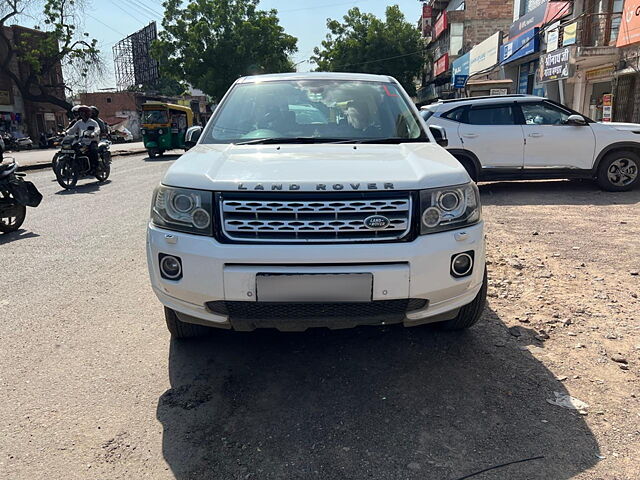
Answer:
(271, 141)
(386, 140)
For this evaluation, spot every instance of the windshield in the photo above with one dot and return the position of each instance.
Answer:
(155, 116)
(318, 110)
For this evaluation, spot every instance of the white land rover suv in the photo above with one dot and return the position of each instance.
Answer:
(316, 199)
(523, 137)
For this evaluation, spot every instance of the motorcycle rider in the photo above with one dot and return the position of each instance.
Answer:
(95, 114)
(81, 127)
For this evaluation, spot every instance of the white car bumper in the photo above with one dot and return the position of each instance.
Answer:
(221, 273)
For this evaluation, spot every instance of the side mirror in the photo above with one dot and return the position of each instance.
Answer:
(439, 134)
(192, 136)
(576, 120)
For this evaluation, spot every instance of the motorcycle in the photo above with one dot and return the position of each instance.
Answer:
(52, 141)
(17, 143)
(16, 194)
(72, 161)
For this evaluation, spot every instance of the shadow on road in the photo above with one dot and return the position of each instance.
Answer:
(164, 158)
(553, 192)
(92, 187)
(17, 235)
(383, 403)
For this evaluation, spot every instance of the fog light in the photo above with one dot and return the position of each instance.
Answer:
(462, 264)
(170, 267)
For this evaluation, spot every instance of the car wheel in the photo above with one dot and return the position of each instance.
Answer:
(618, 171)
(470, 313)
(180, 329)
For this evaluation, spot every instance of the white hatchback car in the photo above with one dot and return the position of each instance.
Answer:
(523, 137)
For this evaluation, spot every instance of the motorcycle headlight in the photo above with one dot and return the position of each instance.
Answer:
(449, 208)
(160, 132)
(183, 210)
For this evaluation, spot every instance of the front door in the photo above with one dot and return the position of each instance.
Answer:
(493, 135)
(550, 142)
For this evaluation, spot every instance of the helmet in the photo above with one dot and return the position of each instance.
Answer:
(75, 109)
(83, 107)
(94, 109)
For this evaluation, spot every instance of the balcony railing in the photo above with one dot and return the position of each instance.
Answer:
(600, 29)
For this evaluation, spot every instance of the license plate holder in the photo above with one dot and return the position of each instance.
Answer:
(314, 287)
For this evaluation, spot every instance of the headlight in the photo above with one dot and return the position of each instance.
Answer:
(143, 131)
(183, 210)
(160, 132)
(448, 208)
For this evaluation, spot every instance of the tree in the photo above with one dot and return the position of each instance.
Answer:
(41, 53)
(367, 44)
(210, 43)
(164, 86)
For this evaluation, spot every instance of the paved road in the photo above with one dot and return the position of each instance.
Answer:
(93, 388)
(36, 156)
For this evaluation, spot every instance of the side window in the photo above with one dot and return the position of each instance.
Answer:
(543, 114)
(493, 115)
(454, 115)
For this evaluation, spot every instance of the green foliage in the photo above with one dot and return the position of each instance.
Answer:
(367, 44)
(166, 86)
(210, 43)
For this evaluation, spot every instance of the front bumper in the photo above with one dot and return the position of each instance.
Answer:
(215, 273)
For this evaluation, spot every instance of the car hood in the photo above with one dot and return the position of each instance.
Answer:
(316, 167)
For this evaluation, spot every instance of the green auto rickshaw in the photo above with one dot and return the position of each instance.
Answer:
(164, 126)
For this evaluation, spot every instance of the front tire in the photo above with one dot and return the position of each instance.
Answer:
(11, 224)
(104, 169)
(180, 329)
(66, 174)
(470, 313)
(618, 171)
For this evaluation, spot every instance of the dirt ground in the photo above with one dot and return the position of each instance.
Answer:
(92, 387)
(564, 262)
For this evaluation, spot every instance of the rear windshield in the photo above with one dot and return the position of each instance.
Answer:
(314, 109)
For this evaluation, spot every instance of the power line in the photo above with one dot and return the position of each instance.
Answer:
(108, 26)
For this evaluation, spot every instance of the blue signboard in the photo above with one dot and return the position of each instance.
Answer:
(460, 67)
(525, 44)
(459, 81)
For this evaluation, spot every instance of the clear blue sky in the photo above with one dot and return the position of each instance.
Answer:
(112, 20)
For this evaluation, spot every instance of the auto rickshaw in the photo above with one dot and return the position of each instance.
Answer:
(164, 126)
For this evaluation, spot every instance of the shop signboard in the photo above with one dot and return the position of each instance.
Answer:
(607, 107)
(549, 11)
(459, 81)
(553, 36)
(525, 44)
(460, 68)
(630, 24)
(597, 73)
(440, 25)
(441, 65)
(427, 13)
(498, 91)
(555, 65)
(4, 97)
(49, 117)
(569, 34)
(485, 55)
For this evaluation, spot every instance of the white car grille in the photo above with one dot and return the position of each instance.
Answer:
(314, 218)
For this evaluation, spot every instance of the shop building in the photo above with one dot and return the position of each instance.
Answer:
(452, 28)
(18, 115)
(626, 78)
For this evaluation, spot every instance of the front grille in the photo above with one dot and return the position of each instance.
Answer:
(267, 310)
(273, 218)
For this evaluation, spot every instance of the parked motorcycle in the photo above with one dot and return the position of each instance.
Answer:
(52, 141)
(16, 144)
(16, 194)
(72, 161)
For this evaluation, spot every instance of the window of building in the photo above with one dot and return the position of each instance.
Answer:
(108, 99)
(543, 114)
(493, 115)
(456, 35)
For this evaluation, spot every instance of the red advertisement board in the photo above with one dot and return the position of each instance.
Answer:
(441, 65)
(441, 25)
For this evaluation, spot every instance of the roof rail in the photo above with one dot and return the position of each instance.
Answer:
(513, 95)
